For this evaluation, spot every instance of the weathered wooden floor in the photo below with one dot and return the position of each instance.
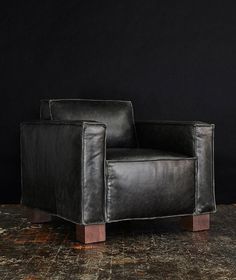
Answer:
(134, 250)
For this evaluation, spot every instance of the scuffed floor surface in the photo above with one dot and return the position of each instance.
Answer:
(133, 250)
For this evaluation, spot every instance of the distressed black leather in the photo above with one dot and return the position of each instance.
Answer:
(116, 115)
(70, 168)
(63, 169)
(149, 184)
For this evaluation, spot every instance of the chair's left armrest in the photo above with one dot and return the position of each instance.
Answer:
(194, 139)
(62, 165)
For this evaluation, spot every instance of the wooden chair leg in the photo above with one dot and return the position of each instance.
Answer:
(90, 233)
(196, 223)
(37, 216)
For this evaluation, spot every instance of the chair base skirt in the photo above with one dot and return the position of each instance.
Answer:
(87, 234)
(90, 233)
(196, 223)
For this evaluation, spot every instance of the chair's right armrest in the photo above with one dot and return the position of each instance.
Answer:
(192, 138)
(175, 136)
(62, 165)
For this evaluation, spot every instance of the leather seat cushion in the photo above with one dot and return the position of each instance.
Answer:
(144, 183)
(116, 115)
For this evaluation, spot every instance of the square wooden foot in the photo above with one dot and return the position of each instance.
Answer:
(90, 233)
(196, 223)
(37, 216)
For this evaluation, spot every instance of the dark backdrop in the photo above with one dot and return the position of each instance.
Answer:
(173, 59)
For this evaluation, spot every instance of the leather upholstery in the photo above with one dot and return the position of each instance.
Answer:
(45, 113)
(95, 171)
(124, 154)
(116, 115)
(195, 139)
(147, 183)
(63, 169)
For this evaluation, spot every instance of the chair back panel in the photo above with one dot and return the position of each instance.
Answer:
(116, 115)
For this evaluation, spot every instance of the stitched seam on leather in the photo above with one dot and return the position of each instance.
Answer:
(109, 186)
(195, 184)
(82, 173)
(84, 99)
(50, 108)
(105, 175)
(76, 221)
(134, 126)
(108, 191)
(40, 112)
(213, 168)
(158, 217)
(194, 133)
(183, 123)
(147, 160)
(48, 122)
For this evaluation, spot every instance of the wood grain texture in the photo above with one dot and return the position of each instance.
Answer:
(90, 233)
(196, 223)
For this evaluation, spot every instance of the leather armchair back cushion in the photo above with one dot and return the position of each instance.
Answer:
(116, 115)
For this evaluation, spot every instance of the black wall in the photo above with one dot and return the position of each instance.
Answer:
(174, 60)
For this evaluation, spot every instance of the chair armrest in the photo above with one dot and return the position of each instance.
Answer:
(194, 139)
(62, 166)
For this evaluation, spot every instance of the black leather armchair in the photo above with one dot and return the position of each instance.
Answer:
(88, 162)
